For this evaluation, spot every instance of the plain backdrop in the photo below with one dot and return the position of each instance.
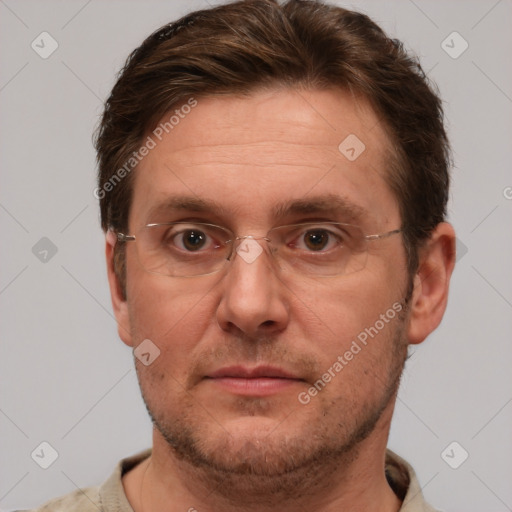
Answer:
(68, 380)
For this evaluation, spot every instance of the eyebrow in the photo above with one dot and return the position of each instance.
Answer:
(329, 204)
(187, 203)
(325, 204)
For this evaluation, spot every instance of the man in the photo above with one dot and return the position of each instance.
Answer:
(273, 182)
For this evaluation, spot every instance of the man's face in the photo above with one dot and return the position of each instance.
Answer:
(247, 157)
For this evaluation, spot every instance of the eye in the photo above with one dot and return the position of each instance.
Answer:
(318, 240)
(191, 239)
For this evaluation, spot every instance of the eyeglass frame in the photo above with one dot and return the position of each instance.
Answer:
(122, 237)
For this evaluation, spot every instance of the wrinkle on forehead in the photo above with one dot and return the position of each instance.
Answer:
(236, 149)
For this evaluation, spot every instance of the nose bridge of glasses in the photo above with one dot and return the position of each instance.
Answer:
(248, 247)
(252, 237)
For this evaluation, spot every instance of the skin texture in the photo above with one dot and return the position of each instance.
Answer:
(217, 449)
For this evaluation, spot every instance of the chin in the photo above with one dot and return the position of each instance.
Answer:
(247, 447)
(252, 457)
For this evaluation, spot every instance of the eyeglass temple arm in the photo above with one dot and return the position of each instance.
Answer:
(383, 235)
(121, 237)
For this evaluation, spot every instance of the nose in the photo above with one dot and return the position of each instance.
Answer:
(254, 299)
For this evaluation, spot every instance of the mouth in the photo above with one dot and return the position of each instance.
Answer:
(258, 381)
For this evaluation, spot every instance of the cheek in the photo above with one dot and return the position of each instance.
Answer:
(349, 302)
(354, 315)
(359, 357)
(173, 313)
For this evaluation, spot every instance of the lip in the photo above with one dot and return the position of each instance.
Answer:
(241, 372)
(258, 381)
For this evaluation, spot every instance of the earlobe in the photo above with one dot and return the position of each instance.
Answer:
(431, 283)
(119, 303)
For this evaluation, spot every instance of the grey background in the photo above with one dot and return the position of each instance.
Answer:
(66, 377)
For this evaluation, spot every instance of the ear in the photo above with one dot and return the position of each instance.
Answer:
(119, 303)
(431, 283)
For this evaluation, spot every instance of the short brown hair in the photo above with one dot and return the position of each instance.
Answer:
(238, 47)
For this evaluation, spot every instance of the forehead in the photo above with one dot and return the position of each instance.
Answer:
(259, 156)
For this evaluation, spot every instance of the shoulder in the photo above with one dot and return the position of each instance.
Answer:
(107, 497)
(404, 482)
(83, 500)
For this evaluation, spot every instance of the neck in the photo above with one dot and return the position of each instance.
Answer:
(354, 480)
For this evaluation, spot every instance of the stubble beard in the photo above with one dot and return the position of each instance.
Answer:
(274, 467)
